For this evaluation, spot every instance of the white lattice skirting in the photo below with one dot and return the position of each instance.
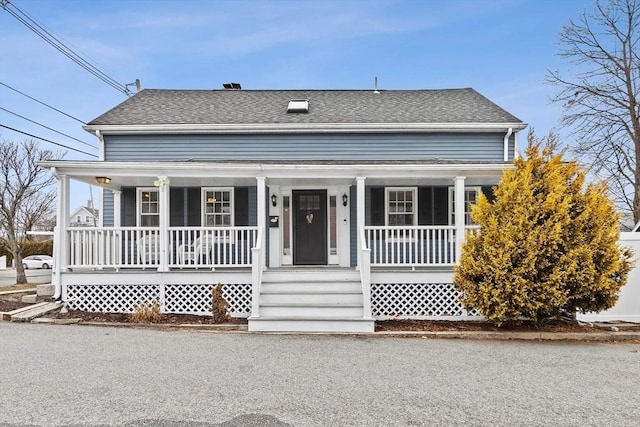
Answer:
(417, 301)
(185, 299)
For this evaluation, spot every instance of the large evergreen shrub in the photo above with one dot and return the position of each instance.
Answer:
(548, 244)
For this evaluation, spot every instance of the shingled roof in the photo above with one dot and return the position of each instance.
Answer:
(237, 107)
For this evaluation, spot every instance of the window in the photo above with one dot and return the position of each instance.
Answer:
(470, 198)
(87, 219)
(148, 208)
(400, 206)
(78, 219)
(218, 207)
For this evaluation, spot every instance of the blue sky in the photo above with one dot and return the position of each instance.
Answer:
(500, 48)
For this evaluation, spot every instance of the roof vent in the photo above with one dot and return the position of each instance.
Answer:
(298, 106)
(232, 86)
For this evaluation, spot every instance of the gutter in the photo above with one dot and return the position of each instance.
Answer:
(279, 128)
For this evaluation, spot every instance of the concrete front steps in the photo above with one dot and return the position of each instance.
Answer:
(311, 300)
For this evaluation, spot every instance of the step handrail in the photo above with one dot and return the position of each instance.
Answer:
(365, 274)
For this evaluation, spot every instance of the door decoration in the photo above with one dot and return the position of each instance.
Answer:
(309, 218)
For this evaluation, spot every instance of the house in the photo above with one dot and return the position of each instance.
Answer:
(318, 210)
(85, 216)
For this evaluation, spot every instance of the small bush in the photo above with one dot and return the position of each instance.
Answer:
(147, 313)
(219, 305)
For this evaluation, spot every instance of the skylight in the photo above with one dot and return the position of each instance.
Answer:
(298, 106)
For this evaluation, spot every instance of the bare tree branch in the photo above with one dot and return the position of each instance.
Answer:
(27, 195)
(600, 96)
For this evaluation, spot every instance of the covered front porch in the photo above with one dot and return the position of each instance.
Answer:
(171, 231)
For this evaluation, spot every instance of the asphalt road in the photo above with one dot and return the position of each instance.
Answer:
(99, 376)
(8, 277)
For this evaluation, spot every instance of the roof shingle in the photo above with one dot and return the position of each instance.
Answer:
(165, 106)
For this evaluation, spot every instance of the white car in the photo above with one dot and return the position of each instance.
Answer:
(37, 261)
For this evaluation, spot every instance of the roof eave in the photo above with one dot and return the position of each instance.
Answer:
(263, 128)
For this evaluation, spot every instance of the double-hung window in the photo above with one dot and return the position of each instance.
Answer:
(148, 207)
(217, 210)
(470, 199)
(400, 206)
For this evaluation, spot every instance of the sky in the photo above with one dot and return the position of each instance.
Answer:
(502, 49)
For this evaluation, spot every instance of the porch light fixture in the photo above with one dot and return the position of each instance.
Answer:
(274, 200)
(103, 179)
(345, 199)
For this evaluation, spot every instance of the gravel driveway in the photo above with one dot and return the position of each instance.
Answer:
(99, 376)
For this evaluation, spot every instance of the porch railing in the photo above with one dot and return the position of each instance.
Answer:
(140, 247)
(412, 246)
(211, 246)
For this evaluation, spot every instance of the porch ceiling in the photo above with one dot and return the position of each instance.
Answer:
(286, 173)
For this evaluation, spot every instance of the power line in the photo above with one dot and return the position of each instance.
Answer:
(47, 127)
(40, 102)
(39, 30)
(48, 140)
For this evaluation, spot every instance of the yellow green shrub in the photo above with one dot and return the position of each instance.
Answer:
(548, 245)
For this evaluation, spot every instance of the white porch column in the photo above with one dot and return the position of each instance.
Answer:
(117, 208)
(262, 213)
(61, 241)
(359, 212)
(459, 215)
(163, 198)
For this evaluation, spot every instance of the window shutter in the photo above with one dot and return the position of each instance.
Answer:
(425, 206)
(128, 206)
(176, 201)
(377, 206)
(440, 206)
(194, 206)
(241, 206)
(488, 192)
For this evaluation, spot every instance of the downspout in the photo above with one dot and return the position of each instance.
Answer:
(56, 277)
(506, 144)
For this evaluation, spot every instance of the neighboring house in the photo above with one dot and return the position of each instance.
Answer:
(316, 209)
(85, 216)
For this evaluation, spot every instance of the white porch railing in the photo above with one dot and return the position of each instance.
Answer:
(211, 247)
(412, 245)
(140, 247)
(113, 247)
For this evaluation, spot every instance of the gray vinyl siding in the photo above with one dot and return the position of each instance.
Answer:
(107, 208)
(445, 146)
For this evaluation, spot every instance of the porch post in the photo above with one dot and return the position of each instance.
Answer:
(60, 239)
(163, 198)
(117, 208)
(459, 215)
(262, 214)
(359, 213)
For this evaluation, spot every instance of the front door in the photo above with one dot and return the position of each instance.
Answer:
(309, 227)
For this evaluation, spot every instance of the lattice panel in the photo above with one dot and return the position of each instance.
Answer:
(416, 300)
(197, 298)
(110, 298)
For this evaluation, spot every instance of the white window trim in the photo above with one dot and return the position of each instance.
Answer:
(415, 202)
(139, 192)
(203, 208)
(450, 209)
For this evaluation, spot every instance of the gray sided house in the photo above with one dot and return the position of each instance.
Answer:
(317, 210)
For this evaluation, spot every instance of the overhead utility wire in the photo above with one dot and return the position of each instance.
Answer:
(40, 102)
(47, 127)
(30, 23)
(48, 140)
